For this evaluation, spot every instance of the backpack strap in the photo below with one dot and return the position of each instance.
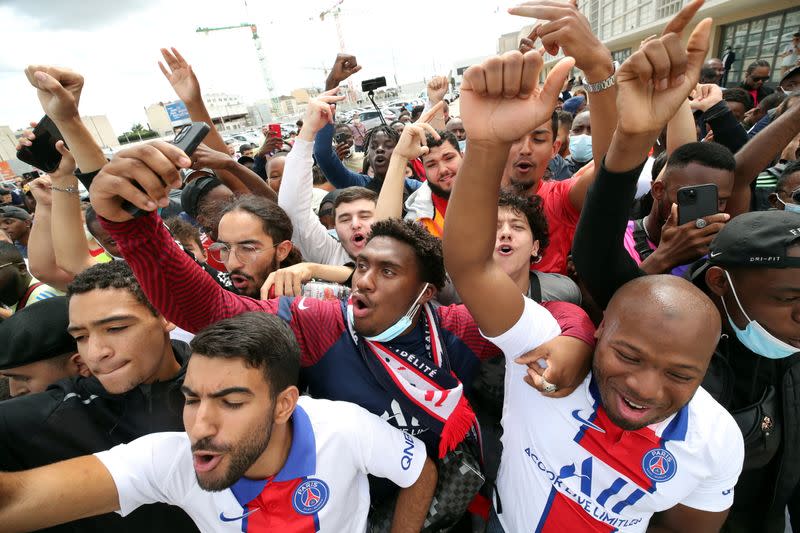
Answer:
(640, 240)
(24, 300)
(535, 289)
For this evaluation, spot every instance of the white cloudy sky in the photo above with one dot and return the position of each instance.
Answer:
(115, 45)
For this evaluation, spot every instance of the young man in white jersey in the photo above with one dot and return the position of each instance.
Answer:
(254, 457)
(639, 436)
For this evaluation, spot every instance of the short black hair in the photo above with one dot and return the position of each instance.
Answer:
(658, 165)
(378, 129)
(533, 210)
(790, 169)
(183, 231)
(565, 118)
(263, 340)
(416, 111)
(708, 75)
(444, 136)
(91, 218)
(10, 254)
(712, 155)
(351, 194)
(738, 94)
(755, 64)
(274, 220)
(113, 275)
(427, 248)
(772, 101)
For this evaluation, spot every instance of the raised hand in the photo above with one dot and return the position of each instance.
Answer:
(413, 141)
(58, 89)
(142, 174)
(658, 78)
(319, 113)
(286, 281)
(344, 67)
(27, 137)
(180, 76)
(437, 88)
(566, 362)
(501, 99)
(705, 96)
(205, 157)
(564, 27)
(41, 188)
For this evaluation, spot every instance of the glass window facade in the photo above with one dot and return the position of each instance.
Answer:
(764, 37)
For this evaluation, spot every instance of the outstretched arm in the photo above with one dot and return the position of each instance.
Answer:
(55, 494)
(41, 257)
(501, 100)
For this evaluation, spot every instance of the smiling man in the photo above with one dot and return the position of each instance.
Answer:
(133, 391)
(254, 456)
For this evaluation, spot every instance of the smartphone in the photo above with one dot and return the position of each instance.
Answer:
(340, 138)
(42, 153)
(275, 131)
(187, 139)
(698, 201)
(374, 83)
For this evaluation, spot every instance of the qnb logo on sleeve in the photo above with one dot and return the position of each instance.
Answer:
(310, 496)
(408, 452)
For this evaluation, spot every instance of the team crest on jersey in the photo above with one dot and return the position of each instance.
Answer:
(310, 496)
(659, 465)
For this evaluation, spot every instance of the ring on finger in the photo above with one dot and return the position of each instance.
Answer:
(548, 387)
(700, 223)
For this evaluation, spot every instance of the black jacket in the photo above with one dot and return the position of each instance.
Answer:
(77, 417)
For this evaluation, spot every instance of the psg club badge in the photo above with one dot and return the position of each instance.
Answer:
(310, 496)
(659, 465)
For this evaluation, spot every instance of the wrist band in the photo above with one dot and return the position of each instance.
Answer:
(70, 190)
(606, 83)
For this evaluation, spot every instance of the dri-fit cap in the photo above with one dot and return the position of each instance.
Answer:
(195, 190)
(9, 211)
(36, 333)
(757, 239)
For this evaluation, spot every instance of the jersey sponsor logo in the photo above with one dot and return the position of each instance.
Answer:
(302, 305)
(576, 415)
(659, 465)
(310, 496)
(408, 452)
(237, 518)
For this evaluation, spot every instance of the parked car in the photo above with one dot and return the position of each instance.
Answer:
(371, 118)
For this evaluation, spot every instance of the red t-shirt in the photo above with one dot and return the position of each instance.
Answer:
(562, 219)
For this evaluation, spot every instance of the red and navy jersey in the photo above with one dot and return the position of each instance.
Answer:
(567, 467)
(322, 486)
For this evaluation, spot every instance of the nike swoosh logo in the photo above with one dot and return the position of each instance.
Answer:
(302, 305)
(714, 254)
(237, 518)
(576, 415)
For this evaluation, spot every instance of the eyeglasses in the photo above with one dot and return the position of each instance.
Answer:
(246, 253)
(794, 195)
(760, 78)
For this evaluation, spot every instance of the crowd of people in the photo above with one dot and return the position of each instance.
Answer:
(501, 321)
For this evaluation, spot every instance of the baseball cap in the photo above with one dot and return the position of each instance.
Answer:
(789, 73)
(572, 104)
(9, 211)
(36, 333)
(195, 190)
(757, 239)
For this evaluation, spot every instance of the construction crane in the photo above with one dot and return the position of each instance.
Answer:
(336, 11)
(262, 59)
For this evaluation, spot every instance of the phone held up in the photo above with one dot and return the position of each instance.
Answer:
(42, 153)
(697, 201)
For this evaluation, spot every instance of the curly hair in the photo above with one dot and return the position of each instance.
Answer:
(113, 275)
(427, 248)
(391, 133)
(533, 210)
(444, 136)
(183, 231)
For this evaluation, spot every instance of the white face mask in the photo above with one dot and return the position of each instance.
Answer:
(754, 337)
(580, 146)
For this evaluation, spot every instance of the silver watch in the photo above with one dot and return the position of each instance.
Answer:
(606, 83)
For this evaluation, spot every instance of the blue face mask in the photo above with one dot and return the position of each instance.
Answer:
(402, 324)
(462, 145)
(754, 337)
(580, 146)
(794, 208)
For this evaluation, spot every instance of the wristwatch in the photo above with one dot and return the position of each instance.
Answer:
(606, 83)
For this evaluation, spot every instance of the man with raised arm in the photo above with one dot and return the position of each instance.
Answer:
(638, 436)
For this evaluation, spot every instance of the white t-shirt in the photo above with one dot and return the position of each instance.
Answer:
(322, 487)
(567, 467)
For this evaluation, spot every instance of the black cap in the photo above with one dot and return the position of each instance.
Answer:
(195, 190)
(36, 333)
(10, 211)
(789, 73)
(757, 239)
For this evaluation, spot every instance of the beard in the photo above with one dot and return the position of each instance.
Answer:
(438, 191)
(241, 456)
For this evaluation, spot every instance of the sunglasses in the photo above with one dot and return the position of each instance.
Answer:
(760, 78)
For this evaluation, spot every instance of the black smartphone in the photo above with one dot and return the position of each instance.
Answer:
(187, 139)
(340, 138)
(42, 153)
(697, 201)
(374, 83)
